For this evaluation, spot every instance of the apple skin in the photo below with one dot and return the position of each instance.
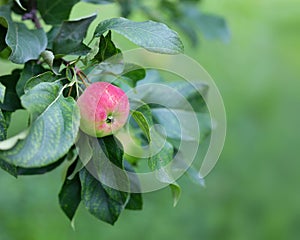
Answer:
(104, 109)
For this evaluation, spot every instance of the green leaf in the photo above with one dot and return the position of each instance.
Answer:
(69, 39)
(132, 74)
(20, 5)
(54, 127)
(54, 12)
(176, 192)
(180, 164)
(212, 26)
(70, 196)
(163, 157)
(40, 98)
(2, 92)
(31, 69)
(107, 48)
(3, 31)
(126, 7)
(44, 77)
(25, 44)
(11, 99)
(135, 199)
(3, 126)
(99, 1)
(101, 201)
(11, 169)
(41, 170)
(141, 120)
(48, 57)
(153, 36)
(158, 163)
(85, 153)
(182, 131)
(51, 34)
(11, 142)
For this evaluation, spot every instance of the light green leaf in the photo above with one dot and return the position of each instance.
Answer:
(2, 92)
(48, 57)
(212, 26)
(55, 11)
(54, 127)
(153, 36)
(182, 131)
(25, 44)
(141, 120)
(176, 192)
(11, 142)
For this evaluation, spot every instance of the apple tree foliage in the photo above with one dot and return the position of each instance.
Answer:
(54, 58)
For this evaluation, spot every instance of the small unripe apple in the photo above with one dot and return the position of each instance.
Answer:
(104, 109)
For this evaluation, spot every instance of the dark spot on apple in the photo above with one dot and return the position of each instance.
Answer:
(110, 119)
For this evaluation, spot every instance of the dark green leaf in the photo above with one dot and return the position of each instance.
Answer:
(20, 4)
(51, 35)
(126, 7)
(112, 149)
(107, 48)
(3, 126)
(101, 201)
(99, 1)
(3, 32)
(55, 11)
(190, 32)
(11, 100)
(41, 170)
(132, 74)
(25, 44)
(2, 92)
(135, 199)
(11, 169)
(69, 39)
(31, 69)
(44, 77)
(153, 36)
(70, 196)
(111, 66)
(163, 157)
(55, 123)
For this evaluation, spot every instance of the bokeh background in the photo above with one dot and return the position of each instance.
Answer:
(252, 193)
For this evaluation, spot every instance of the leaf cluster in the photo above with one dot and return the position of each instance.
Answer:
(55, 66)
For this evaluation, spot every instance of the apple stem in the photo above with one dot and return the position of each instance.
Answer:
(70, 91)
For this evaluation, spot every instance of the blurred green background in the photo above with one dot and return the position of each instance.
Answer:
(253, 192)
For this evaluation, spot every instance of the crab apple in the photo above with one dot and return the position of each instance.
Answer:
(104, 109)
